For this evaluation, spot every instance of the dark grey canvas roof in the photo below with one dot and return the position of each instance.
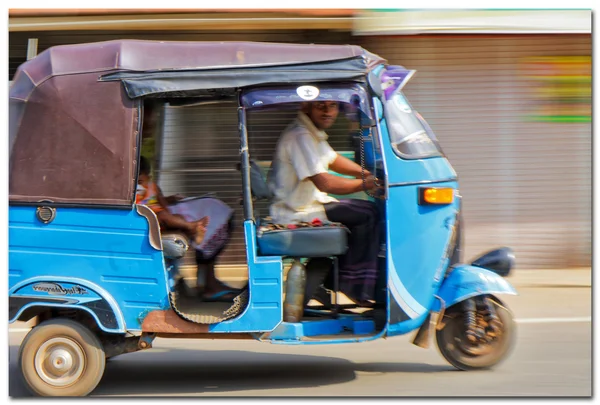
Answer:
(74, 117)
(164, 58)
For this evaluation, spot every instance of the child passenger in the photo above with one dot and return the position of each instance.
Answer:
(149, 194)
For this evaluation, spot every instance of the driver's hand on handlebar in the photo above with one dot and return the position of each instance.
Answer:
(373, 184)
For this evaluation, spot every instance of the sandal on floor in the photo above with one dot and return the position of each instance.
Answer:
(222, 296)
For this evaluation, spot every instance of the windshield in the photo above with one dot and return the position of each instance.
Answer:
(410, 136)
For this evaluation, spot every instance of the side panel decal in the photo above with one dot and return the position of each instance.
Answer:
(62, 293)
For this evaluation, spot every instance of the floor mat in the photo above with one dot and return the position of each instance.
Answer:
(194, 310)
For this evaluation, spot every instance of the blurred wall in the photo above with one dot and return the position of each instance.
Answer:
(524, 165)
(518, 136)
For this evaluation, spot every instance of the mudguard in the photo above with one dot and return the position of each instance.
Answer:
(69, 292)
(466, 281)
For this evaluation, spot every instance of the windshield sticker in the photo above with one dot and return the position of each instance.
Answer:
(393, 80)
(307, 93)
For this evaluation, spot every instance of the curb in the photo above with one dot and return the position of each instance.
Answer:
(549, 285)
(552, 278)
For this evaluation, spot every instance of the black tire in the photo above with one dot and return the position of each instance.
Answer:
(451, 342)
(69, 344)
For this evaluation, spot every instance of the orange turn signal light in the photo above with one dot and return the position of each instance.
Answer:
(431, 195)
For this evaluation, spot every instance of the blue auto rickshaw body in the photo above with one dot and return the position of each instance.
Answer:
(107, 260)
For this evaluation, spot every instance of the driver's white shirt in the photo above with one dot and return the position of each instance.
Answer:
(302, 152)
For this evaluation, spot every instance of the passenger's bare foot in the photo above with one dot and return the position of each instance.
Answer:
(204, 221)
(201, 230)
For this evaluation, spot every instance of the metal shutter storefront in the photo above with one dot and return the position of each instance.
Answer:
(526, 185)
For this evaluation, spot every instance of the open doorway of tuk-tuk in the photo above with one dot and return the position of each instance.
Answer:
(194, 149)
(265, 125)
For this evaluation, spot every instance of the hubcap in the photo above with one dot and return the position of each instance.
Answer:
(477, 349)
(60, 362)
(481, 346)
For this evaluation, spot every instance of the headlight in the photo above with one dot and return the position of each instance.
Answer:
(416, 146)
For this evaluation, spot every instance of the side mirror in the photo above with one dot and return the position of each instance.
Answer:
(500, 261)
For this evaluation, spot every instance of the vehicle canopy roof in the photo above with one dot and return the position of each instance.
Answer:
(74, 117)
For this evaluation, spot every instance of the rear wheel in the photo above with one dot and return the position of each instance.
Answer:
(61, 357)
(467, 355)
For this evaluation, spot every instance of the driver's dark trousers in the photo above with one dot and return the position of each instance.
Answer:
(358, 267)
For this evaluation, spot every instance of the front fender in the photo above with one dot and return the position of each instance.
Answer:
(466, 281)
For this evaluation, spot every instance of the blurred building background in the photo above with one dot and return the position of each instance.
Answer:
(508, 94)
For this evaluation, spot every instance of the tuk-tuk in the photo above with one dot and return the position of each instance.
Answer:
(95, 271)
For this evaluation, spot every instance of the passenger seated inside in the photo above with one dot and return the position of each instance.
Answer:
(149, 194)
(300, 182)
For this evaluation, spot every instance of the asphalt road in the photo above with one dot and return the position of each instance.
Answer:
(552, 357)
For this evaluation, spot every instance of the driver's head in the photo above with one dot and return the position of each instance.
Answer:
(322, 113)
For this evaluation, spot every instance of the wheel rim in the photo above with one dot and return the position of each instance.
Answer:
(60, 362)
(476, 349)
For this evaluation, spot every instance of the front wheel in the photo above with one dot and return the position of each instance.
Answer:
(61, 357)
(466, 355)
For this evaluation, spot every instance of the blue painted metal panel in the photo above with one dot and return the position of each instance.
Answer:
(315, 328)
(265, 278)
(105, 248)
(467, 281)
(356, 339)
(406, 326)
(418, 237)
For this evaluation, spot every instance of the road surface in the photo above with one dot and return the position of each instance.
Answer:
(553, 357)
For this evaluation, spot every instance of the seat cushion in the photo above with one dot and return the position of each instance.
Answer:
(318, 241)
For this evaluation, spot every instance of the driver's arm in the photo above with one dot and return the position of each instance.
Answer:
(332, 184)
(343, 165)
(306, 160)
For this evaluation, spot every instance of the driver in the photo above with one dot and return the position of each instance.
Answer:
(300, 182)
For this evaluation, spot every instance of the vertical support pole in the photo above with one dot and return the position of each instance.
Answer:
(336, 286)
(32, 48)
(245, 161)
(138, 142)
(159, 140)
